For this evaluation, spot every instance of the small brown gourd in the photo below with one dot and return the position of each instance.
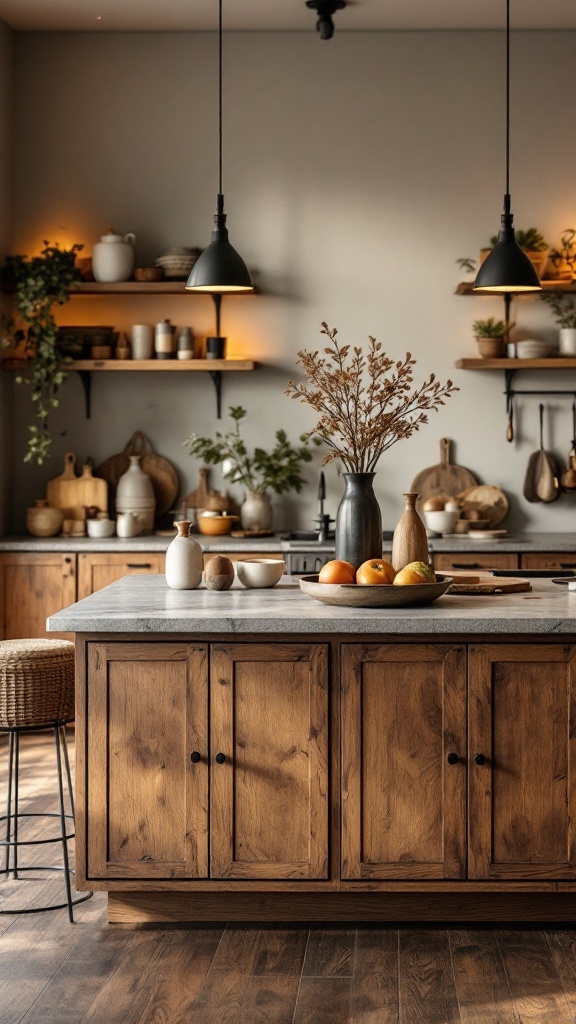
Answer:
(219, 573)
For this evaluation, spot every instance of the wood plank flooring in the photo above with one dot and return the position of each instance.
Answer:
(92, 973)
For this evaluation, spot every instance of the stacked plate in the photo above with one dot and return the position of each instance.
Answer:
(176, 263)
(533, 348)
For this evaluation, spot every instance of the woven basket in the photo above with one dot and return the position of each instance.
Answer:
(36, 682)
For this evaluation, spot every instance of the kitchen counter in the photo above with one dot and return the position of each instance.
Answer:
(547, 609)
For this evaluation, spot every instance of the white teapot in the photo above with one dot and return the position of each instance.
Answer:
(113, 257)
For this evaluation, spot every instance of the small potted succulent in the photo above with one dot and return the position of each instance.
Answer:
(491, 335)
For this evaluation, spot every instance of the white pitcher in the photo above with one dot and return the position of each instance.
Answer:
(113, 257)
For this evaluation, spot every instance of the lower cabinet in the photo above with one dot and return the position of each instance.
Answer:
(98, 570)
(32, 587)
(241, 793)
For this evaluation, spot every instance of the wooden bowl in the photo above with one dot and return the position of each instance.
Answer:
(101, 351)
(351, 595)
(148, 274)
(215, 526)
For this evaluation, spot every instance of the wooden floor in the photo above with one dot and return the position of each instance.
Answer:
(54, 973)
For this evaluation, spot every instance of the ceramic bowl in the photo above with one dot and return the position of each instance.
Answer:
(441, 522)
(215, 525)
(260, 572)
(100, 527)
(533, 348)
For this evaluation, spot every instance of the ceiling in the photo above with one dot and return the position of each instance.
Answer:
(280, 15)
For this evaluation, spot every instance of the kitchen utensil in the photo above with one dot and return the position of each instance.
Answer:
(481, 584)
(568, 480)
(540, 574)
(541, 480)
(486, 499)
(260, 572)
(199, 498)
(162, 473)
(444, 480)
(113, 257)
(350, 595)
(510, 427)
(73, 494)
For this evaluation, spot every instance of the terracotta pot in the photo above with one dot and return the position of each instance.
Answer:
(491, 348)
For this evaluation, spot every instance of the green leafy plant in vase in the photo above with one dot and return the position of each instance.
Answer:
(278, 469)
(38, 283)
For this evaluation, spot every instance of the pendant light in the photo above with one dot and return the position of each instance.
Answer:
(220, 269)
(507, 269)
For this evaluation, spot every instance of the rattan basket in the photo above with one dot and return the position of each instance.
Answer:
(36, 682)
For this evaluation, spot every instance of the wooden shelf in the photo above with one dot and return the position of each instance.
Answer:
(162, 365)
(467, 288)
(552, 363)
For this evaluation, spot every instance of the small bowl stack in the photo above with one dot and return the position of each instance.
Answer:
(176, 263)
(533, 348)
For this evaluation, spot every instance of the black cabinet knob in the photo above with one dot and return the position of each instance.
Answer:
(220, 758)
(480, 759)
(452, 758)
(194, 756)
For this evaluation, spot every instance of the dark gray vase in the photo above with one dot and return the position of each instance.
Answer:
(358, 521)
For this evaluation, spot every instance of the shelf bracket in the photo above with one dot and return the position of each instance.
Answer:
(217, 382)
(86, 378)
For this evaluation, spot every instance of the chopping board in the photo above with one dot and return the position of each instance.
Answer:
(73, 494)
(465, 583)
(162, 473)
(445, 480)
(200, 496)
(490, 501)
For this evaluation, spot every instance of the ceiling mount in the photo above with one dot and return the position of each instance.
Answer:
(325, 10)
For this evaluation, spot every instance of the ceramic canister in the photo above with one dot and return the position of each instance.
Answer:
(183, 560)
(136, 494)
(164, 345)
(113, 257)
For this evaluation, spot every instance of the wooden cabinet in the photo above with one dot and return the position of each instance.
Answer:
(475, 560)
(403, 761)
(522, 762)
(549, 561)
(98, 570)
(147, 720)
(32, 587)
(153, 753)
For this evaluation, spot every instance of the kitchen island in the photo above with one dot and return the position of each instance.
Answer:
(257, 755)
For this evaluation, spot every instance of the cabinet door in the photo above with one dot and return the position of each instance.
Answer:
(562, 560)
(269, 796)
(403, 801)
(475, 560)
(522, 794)
(32, 587)
(147, 706)
(98, 570)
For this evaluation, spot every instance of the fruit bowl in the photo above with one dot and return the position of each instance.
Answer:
(382, 595)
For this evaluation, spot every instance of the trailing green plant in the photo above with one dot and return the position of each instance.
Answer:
(38, 282)
(491, 328)
(278, 470)
(566, 253)
(530, 240)
(563, 308)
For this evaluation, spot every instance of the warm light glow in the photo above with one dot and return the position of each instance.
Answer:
(502, 289)
(218, 289)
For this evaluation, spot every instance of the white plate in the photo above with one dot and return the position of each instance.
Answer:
(485, 534)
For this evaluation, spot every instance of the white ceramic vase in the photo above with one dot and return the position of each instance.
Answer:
(136, 494)
(183, 560)
(256, 511)
(113, 257)
(567, 341)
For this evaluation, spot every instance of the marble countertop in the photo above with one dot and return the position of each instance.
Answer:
(521, 543)
(139, 605)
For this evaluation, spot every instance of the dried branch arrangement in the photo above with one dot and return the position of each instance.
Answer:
(366, 401)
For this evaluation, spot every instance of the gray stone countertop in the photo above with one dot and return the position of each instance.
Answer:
(522, 542)
(138, 605)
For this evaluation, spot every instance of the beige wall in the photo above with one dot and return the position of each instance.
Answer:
(6, 420)
(356, 172)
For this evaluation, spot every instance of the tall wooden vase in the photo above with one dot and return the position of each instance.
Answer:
(410, 543)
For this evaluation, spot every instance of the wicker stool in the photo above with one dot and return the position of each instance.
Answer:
(37, 692)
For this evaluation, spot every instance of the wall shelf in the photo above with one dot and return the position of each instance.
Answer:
(552, 363)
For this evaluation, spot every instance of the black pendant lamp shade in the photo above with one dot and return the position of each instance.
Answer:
(507, 268)
(220, 268)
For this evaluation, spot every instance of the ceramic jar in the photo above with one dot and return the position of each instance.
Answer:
(358, 521)
(113, 257)
(183, 560)
(164, 345)
(136, 494)
(128, 525)
(256, 511)
(567, 341)
(410, 543)
(43, 520)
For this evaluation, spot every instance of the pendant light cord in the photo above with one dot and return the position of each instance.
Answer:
(507, 198)
(220, 97)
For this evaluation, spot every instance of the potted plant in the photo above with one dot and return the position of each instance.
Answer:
(562, 261)
(564, 310)
(278, 470)
(530, 241)
(491, 335)
(38, 282)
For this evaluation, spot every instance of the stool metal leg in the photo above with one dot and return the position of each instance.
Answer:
(68, 775)
(63, 823)
(16, 767)
(9, 802)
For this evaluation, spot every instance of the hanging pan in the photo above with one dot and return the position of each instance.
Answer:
(541, 480)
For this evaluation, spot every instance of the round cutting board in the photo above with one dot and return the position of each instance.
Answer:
(445, 480)
(487, 499)
(161, 472)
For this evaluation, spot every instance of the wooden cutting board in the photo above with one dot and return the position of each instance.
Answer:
(489, 501)
(74, 494)
(162, 473)
(199, 497)
(464, 583)
(445, 480)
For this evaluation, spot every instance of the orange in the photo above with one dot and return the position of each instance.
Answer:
(375, 571)
(408, 578)
(337, 571)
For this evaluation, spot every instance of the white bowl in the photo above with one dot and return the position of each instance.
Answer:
(100, 527)
(260, 572)
(441, 522)
(533, 348)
